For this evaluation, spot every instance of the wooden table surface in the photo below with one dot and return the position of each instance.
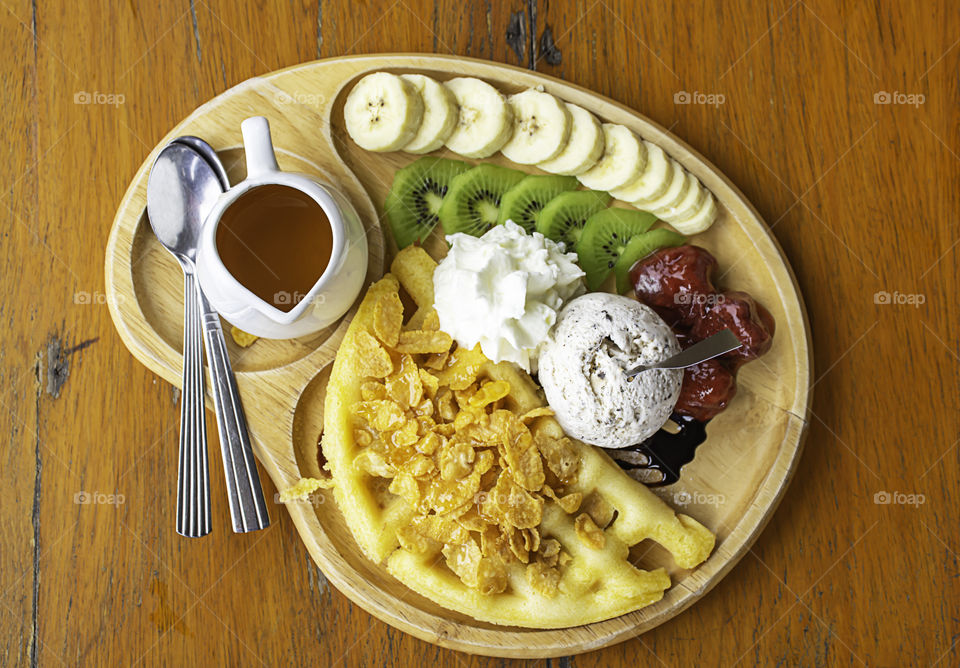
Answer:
(838, 121)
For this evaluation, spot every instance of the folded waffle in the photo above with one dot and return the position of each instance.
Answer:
(451, 471)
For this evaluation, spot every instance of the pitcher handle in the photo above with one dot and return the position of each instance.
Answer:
(258, 147)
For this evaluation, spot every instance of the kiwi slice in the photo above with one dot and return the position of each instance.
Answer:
(640, 247)
(523, 202)
(563, 217)
(415, 196)
(604, 238)
(472, 204)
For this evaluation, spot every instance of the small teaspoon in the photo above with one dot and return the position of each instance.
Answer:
(713, 346)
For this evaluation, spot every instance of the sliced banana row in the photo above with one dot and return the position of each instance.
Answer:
(414, 113)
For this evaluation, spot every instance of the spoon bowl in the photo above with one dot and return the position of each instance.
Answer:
(209, 154)
(181, 190)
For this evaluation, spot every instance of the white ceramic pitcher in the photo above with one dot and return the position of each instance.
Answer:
(335, 290)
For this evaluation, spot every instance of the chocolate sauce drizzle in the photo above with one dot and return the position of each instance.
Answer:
(667, 452)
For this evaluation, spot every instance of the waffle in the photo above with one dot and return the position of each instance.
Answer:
(483, 555)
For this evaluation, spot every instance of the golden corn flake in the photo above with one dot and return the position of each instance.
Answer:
(462, 368)
(373, 463)
(539, 411)
(599, 509)
(372, 359)
(414, 541)
(381, 414)
(491, 576)
(523, 459)
(303, 488)
(561, 457)
(464, 560)
(388, 318)
(456, 460)
(420, 341)
(509, 504)
(471, 520)
(430, 383)
(549, 551)
(372, 389)
(407, 435)
(544, 579)
(437, 361)
(488, 393)
(531, 539)
(431, 321)
(429, 443)
(588, 532)
(406, 487)
(515, 543)
(404, 385)
(570, 503)
(242, 338)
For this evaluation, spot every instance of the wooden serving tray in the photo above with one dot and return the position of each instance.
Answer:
(733, 485)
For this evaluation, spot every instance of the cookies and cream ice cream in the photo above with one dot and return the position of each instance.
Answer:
(582, 369)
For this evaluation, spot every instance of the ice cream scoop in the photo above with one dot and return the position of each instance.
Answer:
(597, 338)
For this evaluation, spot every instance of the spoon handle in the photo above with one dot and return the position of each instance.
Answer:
(193, 479)
(248, 509)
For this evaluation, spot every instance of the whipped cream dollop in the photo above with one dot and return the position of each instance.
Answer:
(583, 370)
(503, 290)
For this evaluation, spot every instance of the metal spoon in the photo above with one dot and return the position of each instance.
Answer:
(183, 178)
(713, 346)
(181, 191)
(209, 154)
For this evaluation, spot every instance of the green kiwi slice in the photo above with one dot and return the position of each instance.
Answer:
(604, 238)
(640, 247)
(415, 197)
(472, 204)
(523, 202)
(563, 217)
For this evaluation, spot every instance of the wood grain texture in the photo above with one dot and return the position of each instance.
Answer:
(862, 196)
(282, 382)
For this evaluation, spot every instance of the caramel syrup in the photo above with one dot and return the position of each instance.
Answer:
(276, 241)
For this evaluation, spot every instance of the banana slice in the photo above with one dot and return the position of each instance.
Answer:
(673, 193)
(688, 205)
(701, 220)
(654, 179)
(485, 121)
(584, 146)
(623, 159)
(383, 112)
(440, 113)
(541, 127)
(688, 184)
